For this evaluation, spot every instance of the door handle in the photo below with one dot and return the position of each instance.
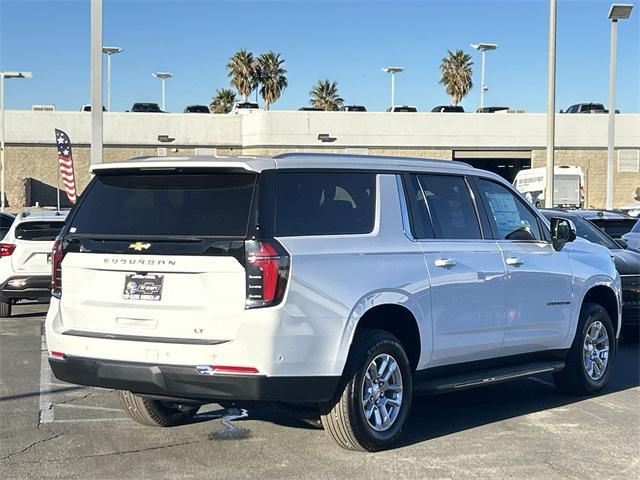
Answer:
(514, 261)
(445, 263)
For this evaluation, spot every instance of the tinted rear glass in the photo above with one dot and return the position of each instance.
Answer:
(202, 205)
(38, 231)
(325, 203)
(615, 228)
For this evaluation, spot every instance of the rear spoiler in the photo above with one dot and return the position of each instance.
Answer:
(255, 165)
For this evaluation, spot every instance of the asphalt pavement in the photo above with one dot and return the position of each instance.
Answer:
(525, 429)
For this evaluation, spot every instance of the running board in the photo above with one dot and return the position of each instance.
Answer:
(485, 377)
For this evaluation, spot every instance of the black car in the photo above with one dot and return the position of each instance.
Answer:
(448, 109)
(143, 107)
(353, 108)
(627, 264)
(614, 224)
(491, 109)
(196, 109)
(311, 109)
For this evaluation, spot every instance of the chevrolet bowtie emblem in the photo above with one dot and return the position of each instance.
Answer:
(139, 246)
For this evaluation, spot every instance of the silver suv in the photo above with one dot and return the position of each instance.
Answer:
(337, 285)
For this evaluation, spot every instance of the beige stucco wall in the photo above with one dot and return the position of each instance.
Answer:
(594, 167)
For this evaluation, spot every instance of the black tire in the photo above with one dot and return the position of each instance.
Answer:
(345, 420)
(156, 413)
(574, 378)
(5, 309)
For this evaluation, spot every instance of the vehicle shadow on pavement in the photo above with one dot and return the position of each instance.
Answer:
(441, 415)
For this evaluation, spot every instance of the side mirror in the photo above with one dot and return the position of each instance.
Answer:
(562, 231)
(622, 242)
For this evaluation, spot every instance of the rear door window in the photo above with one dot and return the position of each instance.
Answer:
(450, 206)
(325, 203)
(43, 231)
(509, 216)
(187, 204)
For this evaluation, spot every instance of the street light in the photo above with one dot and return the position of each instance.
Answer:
(163, 76)
(549, 188)
(618, 11)
(484, 48)
(393, 71)
(108, 51)
(4, 75)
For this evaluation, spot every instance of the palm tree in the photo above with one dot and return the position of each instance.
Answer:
(272, 76)
(324, 95)
(223, 101)
(241, 70)
(456, 75)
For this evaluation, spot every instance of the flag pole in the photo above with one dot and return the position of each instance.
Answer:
(58, 189)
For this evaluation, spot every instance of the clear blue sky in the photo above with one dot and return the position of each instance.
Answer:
(347, 41)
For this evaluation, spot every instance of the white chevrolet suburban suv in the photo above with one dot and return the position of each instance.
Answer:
(25, 256)
(343, 284)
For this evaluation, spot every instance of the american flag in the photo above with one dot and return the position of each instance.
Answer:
(65, 161)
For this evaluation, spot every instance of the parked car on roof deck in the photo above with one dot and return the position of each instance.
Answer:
(448, 109)
(244, 107)
(333, 284)
(25, 258)
(196, 109)
(353, 108)
(402, 109)
(145, 107)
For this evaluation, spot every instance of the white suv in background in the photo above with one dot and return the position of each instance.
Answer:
(25, 258)
(332, 283)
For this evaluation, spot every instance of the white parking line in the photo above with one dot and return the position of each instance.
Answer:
(88, 407)
(46, 407)
(90, 420)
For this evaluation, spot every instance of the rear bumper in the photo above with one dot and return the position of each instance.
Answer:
(185, 382)
(37, 287)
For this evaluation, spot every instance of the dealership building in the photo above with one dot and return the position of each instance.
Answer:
(502, 142)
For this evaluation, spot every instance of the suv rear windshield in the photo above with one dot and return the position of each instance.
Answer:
(325, 203)
(38, 231)
(188, 204)
(615, 228)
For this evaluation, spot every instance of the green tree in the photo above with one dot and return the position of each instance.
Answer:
(456, 74)
(242, 72)
(272, 76)
(324, 95)
(223, 101)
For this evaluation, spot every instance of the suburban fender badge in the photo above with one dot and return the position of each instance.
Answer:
(139, 246)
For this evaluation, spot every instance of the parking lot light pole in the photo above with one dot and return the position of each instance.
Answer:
(484, 48)
(618, 11)
(393, 71)
(4, 75)
(108, 51)
(163, 76)
(551, 108)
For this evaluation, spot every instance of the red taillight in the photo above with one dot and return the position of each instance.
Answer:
(267, 267)
(59, 355)
(56, 269)
(6, 249)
